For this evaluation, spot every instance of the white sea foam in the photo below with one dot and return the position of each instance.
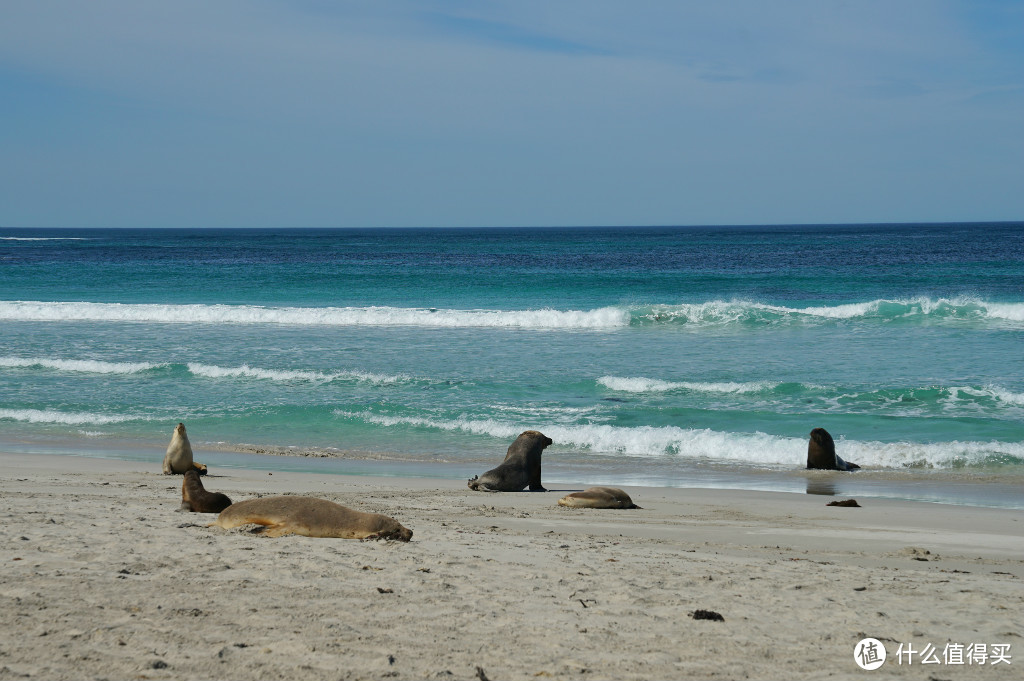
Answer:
(935, 454)
(711, 313)
(721, 312)
(62, 417)
(992, 392)
(713, 446)
(1010, 311)
(642, 441)
(604, 318)
(245, 371)
(89, 366)
(647, 385)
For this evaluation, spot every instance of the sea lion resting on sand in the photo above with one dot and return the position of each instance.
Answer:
(598, 497)
(821, 453)
(195, 498)
(520, 468)
(310, 517)
(178, 458)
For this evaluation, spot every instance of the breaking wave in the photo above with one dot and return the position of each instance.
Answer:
(713, 314)
(89, 366)
(604, 318)
(714, 446)
(245, 371)
(74, 418)
(649, 385)
(725, 313)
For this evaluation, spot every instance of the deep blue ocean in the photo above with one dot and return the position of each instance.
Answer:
(662, 356)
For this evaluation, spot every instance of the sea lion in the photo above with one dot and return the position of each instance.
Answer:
(195, 498)
(520, 468)
(178, 458)
(310, 517)
(598, 497)
(821, 453)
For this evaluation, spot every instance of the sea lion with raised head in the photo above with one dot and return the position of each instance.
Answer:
(310, 517)
(598, 497)
(196, 499)
(520, 468)
(178, 458)
(821, 453)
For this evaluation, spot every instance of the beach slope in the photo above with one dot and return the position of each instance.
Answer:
(102, 577)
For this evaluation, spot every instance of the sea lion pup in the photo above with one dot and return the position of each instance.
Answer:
(178, 458)
(821, 453)
(598, 497)
(520, 468)
(310, 517)
(195, 498)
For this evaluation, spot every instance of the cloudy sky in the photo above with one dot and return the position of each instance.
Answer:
(521, 112)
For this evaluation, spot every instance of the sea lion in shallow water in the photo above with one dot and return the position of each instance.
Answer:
(310, 517)
(598, 497)
(196, 499)
(821, 453)
(178, 458)
(520, 468)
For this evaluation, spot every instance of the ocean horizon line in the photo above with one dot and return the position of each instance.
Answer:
(609, 226)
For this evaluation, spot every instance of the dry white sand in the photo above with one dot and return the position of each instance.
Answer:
(103, 578)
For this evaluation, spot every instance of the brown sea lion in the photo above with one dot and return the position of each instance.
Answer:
(196, 499)
(520, 468)
(821, 453)
(310, 517)
(598, 497)
(178, 458)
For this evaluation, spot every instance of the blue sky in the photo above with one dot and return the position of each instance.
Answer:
(312, 113)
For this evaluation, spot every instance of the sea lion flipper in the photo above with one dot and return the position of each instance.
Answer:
(276, 530)
(845, 465)
(535, 485)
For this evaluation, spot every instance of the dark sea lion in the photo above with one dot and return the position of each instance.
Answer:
(310, 517)
(178, 458)
(520, 468)
(845, 503)
(821, 453)
(598, 497)
(195, 498)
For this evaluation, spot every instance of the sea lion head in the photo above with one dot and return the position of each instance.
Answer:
(821, 450)
(395, 530)
(542, 439)
(823, 439)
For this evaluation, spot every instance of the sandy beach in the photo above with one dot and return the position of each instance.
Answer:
(104, 578)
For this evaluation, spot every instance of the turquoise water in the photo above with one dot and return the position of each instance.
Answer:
(657, 354)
